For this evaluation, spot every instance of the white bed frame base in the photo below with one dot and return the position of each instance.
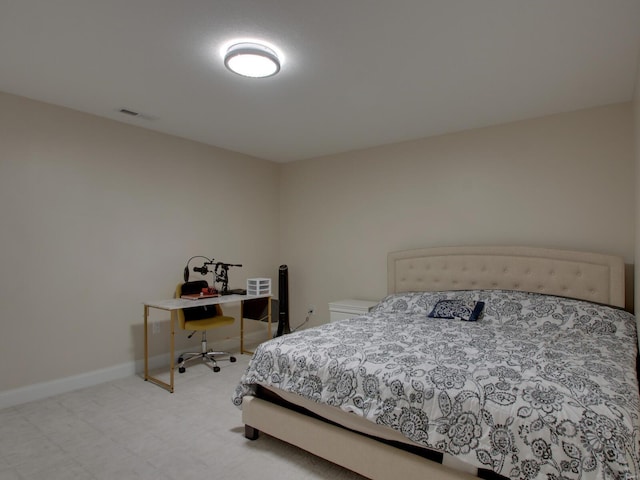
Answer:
(587, 276)
(351, 450)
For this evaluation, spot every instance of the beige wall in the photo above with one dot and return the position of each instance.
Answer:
(97, 216)
(564, 181)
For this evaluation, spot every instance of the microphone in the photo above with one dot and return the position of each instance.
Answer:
(203, 270)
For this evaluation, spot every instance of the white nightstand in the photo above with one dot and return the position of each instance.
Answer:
(343, 309)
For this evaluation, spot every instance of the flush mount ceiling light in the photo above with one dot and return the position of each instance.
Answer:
(252, 60)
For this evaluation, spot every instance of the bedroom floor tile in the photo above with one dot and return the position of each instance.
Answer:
(60, 469)
(9, 474)
(116, 464)
(134, 430)
(180, 464)
(146, 445)
(36, 449)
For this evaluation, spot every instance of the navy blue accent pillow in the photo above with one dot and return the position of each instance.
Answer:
(457, 309)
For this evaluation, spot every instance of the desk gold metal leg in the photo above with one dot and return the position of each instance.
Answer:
(269, 318)
(147, 376)
(146, 343)
(241, 327)
(172, 342)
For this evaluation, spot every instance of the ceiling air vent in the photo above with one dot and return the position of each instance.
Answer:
(131, 113)
(128, 112)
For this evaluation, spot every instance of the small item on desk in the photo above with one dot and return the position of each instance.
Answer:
(235, 291)
(208, 292)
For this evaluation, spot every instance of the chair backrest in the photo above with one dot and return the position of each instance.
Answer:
(195, 313)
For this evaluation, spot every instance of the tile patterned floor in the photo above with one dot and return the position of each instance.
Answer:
(131, 429)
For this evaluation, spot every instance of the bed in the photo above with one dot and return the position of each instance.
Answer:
(542, 385)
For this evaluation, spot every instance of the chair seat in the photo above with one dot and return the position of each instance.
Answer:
(207, 323)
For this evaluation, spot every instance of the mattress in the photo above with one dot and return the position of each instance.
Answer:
(537, 387)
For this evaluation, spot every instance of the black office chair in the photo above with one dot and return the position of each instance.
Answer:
(201, 319)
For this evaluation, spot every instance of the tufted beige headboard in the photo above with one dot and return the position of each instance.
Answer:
(583, 275)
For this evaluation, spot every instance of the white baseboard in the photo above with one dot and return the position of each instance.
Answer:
(38, 391)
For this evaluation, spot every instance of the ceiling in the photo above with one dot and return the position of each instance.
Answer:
(355, 74)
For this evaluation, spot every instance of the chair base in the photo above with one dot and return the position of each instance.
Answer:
(206, 357)
(205, 354)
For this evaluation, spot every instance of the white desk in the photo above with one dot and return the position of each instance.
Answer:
(172, 305)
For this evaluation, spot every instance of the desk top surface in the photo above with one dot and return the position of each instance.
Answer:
(180, 303)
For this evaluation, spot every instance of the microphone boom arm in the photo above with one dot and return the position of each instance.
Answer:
(220, 271)
(222, 274)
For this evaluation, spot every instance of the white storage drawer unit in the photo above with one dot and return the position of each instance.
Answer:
(348, 308)
(258, 286)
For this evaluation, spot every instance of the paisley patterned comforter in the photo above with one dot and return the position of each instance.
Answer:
(538, 387)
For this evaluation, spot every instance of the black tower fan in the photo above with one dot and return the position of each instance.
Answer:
(283, 300)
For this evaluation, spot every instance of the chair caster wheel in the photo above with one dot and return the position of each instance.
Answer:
(182, 369)
(180, 359)
(216, 368)
(232, 359)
